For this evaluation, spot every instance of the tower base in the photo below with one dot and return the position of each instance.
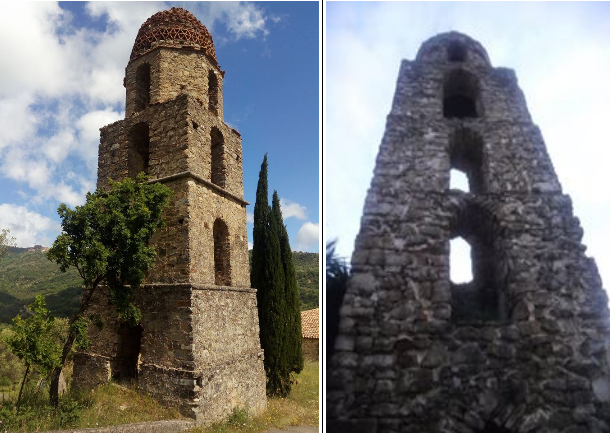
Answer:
(197, 348)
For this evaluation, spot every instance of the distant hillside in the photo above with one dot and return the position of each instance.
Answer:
(26, 272)
(307, 267)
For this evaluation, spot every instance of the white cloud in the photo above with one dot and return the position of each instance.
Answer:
(27, 227)
(88, 127)
(292, 209)
(250, 217)
(17, 121)
(308, 236)
(250, 245)
(244, 20)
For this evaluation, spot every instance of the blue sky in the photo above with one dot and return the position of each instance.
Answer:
(61, 79)
(559, 51)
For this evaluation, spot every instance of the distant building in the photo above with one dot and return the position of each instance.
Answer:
(310, 325)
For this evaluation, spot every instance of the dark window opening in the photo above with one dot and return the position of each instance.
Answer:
(456, 52)
(466, 155)
(142, 86)
(139, 149)
(219, 171)
(128, 351)
(213, 92)
(461, 95)
(222, 254)
(482, 298)
(492, 427)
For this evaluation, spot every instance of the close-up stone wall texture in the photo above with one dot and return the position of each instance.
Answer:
(524, 346)
(197, 346)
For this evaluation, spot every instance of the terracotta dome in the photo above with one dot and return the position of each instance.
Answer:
(176, 28)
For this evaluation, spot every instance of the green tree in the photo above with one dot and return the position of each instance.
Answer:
(268, 278)
(293, 332)
(106, 240)
(35, 342)
(337, 275)
(5, 241)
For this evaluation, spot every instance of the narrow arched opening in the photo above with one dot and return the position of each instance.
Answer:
(480, 298)
(129, 343)
(222, 254)
(212, 92)
(142, 87)
(139, 150)
(461, 98)
(219, 171)
(466, 157)
(460, 263)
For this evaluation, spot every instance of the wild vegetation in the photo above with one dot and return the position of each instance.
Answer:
(274, 278)
(106, 240)
(337, 275)
(307, 268)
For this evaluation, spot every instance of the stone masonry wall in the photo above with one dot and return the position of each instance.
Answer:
(199, 153)
(200, 349)
(173, 72)
(405, 361)
(205, 208)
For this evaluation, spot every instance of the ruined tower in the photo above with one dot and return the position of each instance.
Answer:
(198, 342)
(523, 347)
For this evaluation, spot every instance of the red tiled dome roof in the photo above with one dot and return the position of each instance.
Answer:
(176, 28)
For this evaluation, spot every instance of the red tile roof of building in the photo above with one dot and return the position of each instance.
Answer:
(310, 323)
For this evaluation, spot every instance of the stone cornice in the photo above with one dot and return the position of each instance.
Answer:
(201, 180)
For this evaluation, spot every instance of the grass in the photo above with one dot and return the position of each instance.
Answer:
(109, 404)
(299, 408)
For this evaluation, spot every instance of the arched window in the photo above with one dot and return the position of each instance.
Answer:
(460, 263)
(219, 171)
(138, 152)
(466, 155)
(456, 52)
(222, 254)
(213, 92)
(461, 95)
(481, 298)
(142, 86)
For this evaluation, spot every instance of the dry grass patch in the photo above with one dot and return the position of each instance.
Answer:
(112, 404)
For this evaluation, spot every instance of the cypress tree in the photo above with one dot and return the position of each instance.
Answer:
(268, 278)
(294, 334)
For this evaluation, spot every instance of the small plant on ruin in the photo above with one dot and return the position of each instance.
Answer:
(106, 240)
(34, 340)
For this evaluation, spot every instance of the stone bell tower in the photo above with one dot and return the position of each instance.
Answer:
(523, 347)
(198, 342)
